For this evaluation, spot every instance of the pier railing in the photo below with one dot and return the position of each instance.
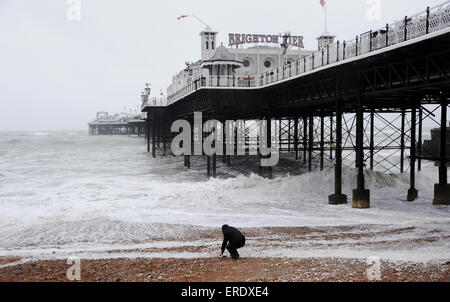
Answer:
(155, 102)
(428, 21)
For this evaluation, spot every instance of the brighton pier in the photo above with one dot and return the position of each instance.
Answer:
(331, 104)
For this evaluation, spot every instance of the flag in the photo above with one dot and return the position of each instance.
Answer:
(323, 3)
(182, 17)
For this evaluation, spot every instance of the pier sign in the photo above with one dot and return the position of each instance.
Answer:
(240, 39)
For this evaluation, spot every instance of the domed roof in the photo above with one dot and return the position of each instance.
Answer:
(221, 54)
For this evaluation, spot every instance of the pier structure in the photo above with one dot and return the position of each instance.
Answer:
(351, 101)
(118, 124)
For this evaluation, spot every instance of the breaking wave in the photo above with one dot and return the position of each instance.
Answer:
(88, 191)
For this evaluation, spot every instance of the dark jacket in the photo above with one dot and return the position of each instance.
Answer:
(233, 236)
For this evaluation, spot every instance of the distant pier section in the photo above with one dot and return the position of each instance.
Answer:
(118, 124)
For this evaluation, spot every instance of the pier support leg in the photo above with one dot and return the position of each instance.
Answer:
(419, 145)
(260, 168)
(164, 136)
(214, 166)
(361, 196)
(331, 137)
(280, 138)
(224, 142)
(153, 136)
(338, 198)
(236, 141)
(289, 136)
(372, 140)
(322, 142)
(188, 158)
(260, 143)
(230, 136)
(246, 140)
(269, 143)
(204, 135)
(208, 166)
(159, 133)
(442, 189)
(412, 192)
(214, 156)
(296, 138)
(305, 137)
(311, 142)
(147, 133)
(402, 144)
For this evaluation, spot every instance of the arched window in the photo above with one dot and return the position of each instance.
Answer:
(212, 45)
(207, 44)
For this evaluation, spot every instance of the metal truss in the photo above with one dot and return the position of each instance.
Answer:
(386, 140)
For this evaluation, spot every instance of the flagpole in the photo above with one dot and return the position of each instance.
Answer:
(325, 13)
(198, 19)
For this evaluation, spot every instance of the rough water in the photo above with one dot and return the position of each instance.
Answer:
(68, 190)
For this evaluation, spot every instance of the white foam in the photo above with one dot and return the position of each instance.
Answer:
(64, 191)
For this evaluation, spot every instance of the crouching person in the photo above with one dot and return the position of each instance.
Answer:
(232, 240)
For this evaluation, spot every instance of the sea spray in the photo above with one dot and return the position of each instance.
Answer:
(73, 190)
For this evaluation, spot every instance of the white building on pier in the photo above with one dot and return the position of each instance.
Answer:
(237, 63)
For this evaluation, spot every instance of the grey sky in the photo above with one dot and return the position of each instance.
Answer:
(56, 74)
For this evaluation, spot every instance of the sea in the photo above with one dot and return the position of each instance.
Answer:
(69, 190)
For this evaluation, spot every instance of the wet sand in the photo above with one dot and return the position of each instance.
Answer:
(225, 270)
(144, 265)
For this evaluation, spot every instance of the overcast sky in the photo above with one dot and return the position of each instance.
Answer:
(55, 74)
